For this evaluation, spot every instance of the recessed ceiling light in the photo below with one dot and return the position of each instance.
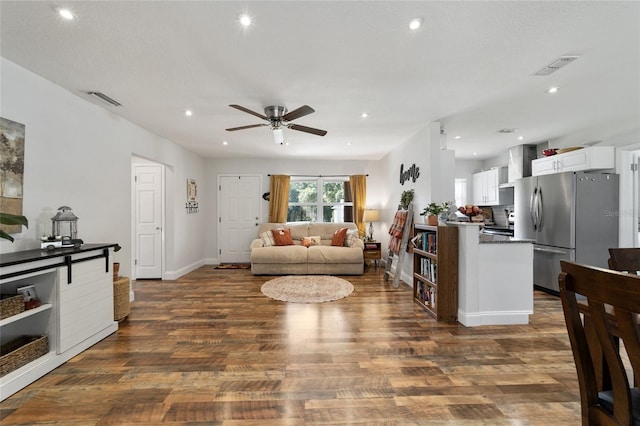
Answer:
(348, 143)
(188, 113)
(553, 90)
(364, 115)
(457, 137)
(415, 23)
(225, 143)
(475, 153)
(520, 138)
(66, 14)
(245, 20)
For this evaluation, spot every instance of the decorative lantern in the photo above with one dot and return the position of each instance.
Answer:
(65, 223)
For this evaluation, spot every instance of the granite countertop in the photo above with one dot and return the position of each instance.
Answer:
(503, 239)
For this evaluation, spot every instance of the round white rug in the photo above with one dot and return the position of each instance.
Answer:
(307, 288)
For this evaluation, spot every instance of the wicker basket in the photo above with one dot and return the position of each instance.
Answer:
(21, 351)
(11, 304)
(121, 305)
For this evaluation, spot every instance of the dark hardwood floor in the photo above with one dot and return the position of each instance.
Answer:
(210, 349)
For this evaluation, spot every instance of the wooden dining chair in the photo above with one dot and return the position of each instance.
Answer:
(619, 405)
(625, 259)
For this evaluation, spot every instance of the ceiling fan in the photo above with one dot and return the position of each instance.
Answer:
(278, 118)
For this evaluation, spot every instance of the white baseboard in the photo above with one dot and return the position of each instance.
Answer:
(174, 275)
(493, 318)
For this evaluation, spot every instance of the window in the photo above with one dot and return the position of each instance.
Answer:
(320, 200)
(461, 191)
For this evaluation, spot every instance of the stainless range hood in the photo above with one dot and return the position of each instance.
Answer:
(520, 158)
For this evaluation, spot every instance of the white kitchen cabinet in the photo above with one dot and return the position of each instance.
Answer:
(486, 186)
(590, 158)
(75, 288)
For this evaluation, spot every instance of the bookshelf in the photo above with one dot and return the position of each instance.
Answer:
(435, 270)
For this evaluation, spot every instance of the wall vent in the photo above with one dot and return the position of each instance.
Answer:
(104, 98)
(556, 65)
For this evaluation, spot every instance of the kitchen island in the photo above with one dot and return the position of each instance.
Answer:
(495, 277)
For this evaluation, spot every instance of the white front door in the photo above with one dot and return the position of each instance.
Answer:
(148, 221)
(239, 217)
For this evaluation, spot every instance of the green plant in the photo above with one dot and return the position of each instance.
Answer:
(435, 209)
(406, 198)
(11, 219)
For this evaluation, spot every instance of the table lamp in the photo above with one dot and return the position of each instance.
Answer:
(370, 215)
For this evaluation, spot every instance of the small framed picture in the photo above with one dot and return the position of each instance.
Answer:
(29, 292)
(192, 190)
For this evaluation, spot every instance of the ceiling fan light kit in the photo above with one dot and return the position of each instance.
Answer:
(278, 118)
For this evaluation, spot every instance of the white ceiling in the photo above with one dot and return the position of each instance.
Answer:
(469, 66)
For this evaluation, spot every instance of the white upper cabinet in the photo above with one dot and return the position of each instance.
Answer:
(486, 186)
(591, 158)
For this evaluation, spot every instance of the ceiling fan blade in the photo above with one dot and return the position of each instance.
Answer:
(248, 111)
(307, 129)
(297, 113)
(251, 126)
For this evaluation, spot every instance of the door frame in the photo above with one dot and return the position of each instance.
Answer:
(219, 211)
(141, 161)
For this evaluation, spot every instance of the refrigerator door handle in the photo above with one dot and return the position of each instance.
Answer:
(532, 203)
(548, 250)
(540, 208)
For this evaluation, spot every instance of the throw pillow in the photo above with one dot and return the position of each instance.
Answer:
(350, 239)
(338, 237)
(267, 239)
(311, 241)
(282, 237)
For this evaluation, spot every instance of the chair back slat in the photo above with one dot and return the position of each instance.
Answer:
(625, 259)
(621, 292)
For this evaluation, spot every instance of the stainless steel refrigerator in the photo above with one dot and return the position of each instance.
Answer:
(571, 216)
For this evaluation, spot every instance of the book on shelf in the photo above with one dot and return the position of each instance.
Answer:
(431, 243)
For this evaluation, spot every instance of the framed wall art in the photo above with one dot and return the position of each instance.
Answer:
(12, 137)
(192, 196)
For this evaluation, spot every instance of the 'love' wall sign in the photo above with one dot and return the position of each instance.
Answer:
(412, 173)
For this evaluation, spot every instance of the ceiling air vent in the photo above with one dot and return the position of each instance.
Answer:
(104, 98)
(556, 65)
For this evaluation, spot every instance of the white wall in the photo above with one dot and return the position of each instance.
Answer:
(434, 184)
(79, 154)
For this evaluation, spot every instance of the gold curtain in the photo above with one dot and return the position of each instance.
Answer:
(278, 198)
(359, 193)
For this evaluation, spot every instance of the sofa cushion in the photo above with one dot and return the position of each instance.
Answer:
(282, 237)
(268, 226)
(331, 254)
(280, 254)
(299, 230)
(351, 237)
(326, 229)
(311, 241)
(267, 239)
(338, 237)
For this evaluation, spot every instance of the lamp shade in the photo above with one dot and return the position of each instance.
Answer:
(371, 215)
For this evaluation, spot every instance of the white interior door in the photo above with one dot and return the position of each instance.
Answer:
(148, 221)
(239, 217)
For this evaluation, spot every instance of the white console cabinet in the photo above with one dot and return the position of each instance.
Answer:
(75, 288)
(590, 158)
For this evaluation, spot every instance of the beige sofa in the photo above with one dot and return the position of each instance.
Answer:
(296, 259)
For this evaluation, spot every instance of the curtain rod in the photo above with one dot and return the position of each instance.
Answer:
(318, 175)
